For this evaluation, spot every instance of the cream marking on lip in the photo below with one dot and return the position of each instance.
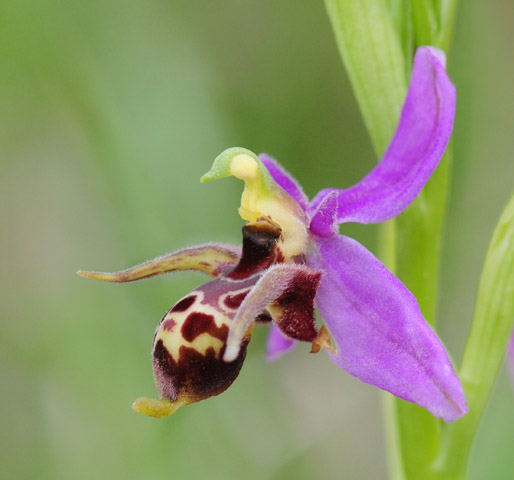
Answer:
(234, 293)
(174, 340)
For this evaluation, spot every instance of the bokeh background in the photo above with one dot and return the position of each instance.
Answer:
(110, 112)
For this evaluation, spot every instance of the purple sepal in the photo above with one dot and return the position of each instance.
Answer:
(420, 140)
(285, 180)
(380, 333)
(277, 344)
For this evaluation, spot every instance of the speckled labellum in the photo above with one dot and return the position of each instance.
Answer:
(190, 341)
(192, 356)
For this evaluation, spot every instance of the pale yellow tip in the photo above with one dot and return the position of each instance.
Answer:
(84, 274)
(244, 167)
(103, 277)
(155, 408)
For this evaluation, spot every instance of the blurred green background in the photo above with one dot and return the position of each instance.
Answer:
(110, 112)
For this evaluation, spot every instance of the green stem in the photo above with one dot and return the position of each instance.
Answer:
(395, 466)
(418, 246)
(419, 232)
(417, 250)
(425, 21)
(373, 58)
(373, 45)
(448, 14)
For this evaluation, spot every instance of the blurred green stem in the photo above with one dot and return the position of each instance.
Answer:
(374, 61)
(448, 14)
(418, 245)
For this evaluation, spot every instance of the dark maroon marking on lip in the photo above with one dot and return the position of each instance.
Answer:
(264, 318)
(234, 301)
(169, 324)
(259, 248)
(296, 307)
(184, 304)
(197, 323)
(194, 376)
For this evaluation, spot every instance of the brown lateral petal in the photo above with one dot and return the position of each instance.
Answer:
(211, 258)
(290, 290)
(293, 311)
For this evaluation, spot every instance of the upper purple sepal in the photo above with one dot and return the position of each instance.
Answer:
(380, 333)
(420, 140)
(285, 180)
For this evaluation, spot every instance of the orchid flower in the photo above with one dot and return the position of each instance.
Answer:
(293, 259)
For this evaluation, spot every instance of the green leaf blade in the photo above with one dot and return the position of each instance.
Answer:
(492, 325)
(373, 57)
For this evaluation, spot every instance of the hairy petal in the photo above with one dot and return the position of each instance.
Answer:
(293, 311)
(211, 258)
(275, 284)
(285, 180)
(420, 140)
(380, 333)
(277, 344)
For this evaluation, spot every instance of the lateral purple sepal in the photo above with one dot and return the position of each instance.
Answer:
(277, 344)
(285, 180)
(420, 140)
(380, 333)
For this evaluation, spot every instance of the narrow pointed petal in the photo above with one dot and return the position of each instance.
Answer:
(380, 333)
(276, 283)
(211, 258)
(420, 140)
(277, 344)
(285, 180)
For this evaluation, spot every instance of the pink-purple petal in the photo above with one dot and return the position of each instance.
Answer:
(285, 180)
(420, 140)
(380, 333)
(277, 344)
